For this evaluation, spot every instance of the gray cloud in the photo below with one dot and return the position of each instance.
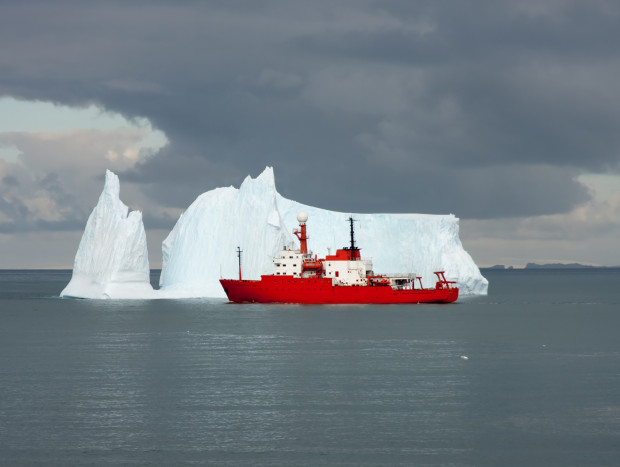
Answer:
(57, 177)
(10, 180)
(484, 109)
(46, 193)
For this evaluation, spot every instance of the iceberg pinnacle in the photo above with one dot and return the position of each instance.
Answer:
(201, 248)
(112, 258)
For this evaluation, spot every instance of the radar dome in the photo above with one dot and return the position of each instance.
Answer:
(302, 217)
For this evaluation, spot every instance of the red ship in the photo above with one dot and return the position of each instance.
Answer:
(300, 277)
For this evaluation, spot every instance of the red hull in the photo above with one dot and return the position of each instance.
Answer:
(286, 289)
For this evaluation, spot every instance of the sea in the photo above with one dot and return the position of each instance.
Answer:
(528, 375)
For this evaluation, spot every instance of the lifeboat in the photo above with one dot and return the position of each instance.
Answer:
(378, 280)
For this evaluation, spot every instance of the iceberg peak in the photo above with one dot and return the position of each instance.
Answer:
(112, 258)
(266, 177)
(263, 184)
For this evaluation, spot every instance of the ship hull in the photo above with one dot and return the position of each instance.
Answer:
(287, 289)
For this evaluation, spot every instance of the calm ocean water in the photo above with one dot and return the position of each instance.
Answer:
(526, 376)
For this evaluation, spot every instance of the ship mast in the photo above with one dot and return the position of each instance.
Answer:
(239, 251)
(351, 220)
(353, 250)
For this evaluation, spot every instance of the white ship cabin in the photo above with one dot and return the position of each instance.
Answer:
(338, 267)
(289, 262)
(346, 271)
(345, 268)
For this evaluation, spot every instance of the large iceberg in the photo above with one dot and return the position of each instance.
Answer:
(201, 248)
(112, 259)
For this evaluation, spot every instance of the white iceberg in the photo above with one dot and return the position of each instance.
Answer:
(112, 259)
(201, 248)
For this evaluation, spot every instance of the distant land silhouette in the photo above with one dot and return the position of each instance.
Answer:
(558, 266)
(553, 266)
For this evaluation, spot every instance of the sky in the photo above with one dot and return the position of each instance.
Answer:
(505, 114)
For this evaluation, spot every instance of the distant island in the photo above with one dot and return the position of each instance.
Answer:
(552, 266)
(559, 266)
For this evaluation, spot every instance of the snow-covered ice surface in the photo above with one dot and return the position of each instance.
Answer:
(201, 248)
(112, 259)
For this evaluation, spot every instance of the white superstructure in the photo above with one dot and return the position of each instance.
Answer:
(344, 268)
(288, 262)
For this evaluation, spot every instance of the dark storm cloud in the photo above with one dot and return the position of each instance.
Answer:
(468, 31)
(484, 109)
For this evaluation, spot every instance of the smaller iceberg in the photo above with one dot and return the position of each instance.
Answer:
(112, 259)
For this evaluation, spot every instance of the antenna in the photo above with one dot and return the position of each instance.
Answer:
(239, 251)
